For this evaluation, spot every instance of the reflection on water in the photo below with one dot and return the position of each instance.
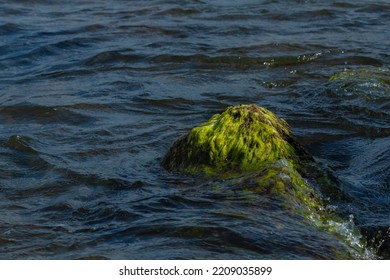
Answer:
(93, 94)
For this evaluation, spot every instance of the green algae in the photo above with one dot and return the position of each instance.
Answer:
(248, 139)
(242, 139)
(251, 140)
(283, 182)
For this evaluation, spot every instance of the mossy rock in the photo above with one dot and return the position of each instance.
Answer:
(242, 139)
(248, 141)
(380, 75)
(370, 81)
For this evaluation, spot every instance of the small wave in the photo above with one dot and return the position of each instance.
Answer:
(282, 48)
(74, 43)
(10, 28)
(152, 31)
(21, 144)
(344, 5)
(29, 113)
(316, 14)
(97, 215)
(376, 8)
(27, 58)
(178, 12)
(84, 29)
(356, 60)
(237, 62)
(110, 57)
(72, 73)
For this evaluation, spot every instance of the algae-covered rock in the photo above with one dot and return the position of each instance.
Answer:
(379, 75)
(252, 144)
(247, 139)
(364, 80)
(241, 139)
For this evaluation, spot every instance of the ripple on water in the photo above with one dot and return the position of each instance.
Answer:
(30, 113)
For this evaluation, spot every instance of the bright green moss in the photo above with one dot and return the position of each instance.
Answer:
(241, 139)
(252, 144)
(246, 139)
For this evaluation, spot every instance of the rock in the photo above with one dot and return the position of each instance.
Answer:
(380, 75)
(246, 139)
(369, 82)
(251, 140)
(241, 139)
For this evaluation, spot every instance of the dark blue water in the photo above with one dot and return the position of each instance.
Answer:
(93, 93)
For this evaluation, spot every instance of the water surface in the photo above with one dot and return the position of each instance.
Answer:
(93, 93)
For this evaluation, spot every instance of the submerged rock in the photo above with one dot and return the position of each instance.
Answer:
(380, 75)
(367, 81)
(248, 139)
